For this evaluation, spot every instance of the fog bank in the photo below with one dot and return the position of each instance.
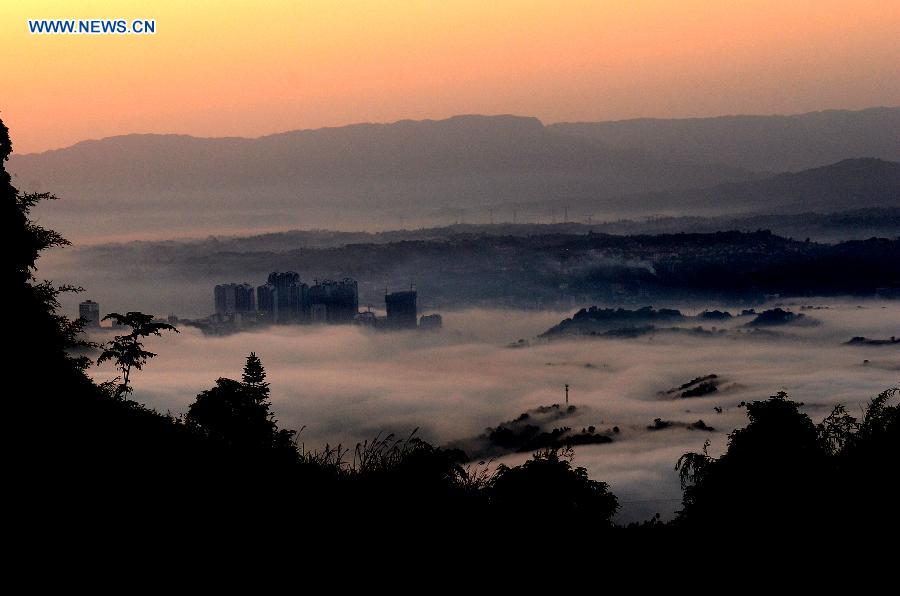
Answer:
(346, 384)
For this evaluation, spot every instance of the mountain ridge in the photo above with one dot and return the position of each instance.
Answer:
(769, 143)
(365, 175)
(459, 117)
(854, 183)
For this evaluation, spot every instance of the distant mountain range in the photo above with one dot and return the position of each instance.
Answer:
(856, 183)
(759, 143)
(848, 184)
(471, 158)
(435, 172)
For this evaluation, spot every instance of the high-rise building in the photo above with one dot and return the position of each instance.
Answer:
(289, 300)
(340, 300)
(265, 300)
(244, 298)
(401, 309)
(223, 296)
(90, 312)
(234, 298)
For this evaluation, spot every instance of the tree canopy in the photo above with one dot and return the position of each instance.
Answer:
(127, 351)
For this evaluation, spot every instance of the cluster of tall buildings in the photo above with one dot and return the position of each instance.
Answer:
(234, 298)
(285, 299)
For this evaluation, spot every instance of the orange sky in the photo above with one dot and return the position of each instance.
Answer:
(250, 68)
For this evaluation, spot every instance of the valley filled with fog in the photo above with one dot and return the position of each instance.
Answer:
(506, 227)
(347, 384)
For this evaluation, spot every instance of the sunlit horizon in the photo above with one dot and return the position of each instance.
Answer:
(215, 69)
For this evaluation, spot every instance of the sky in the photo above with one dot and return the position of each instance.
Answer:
(227, 68)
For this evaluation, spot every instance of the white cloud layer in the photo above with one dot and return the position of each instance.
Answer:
(345, 384)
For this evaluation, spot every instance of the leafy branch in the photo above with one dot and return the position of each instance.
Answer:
(127, 351)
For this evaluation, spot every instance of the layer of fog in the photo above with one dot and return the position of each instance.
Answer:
(346, 384)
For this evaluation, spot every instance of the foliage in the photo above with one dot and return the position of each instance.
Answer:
(254, 377)
(75, 448)
(43, 335)
(782, 470)
(127, 351)
(836, 430)
(238, 413)
(549, 483)
(691, 467)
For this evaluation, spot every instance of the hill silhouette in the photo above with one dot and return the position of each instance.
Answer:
(494, 155)
(356, 175)
(759, 143)
(441, 171)
(850, 184)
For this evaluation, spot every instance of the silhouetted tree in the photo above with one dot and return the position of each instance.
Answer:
(867, 460)
(782, 471)
(254, 377)
(44, 338)
(70, 438)
(127, 351)
(547, 484)
(231, 414)
(237, 413)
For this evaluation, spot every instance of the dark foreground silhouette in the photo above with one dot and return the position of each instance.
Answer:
(83, 454)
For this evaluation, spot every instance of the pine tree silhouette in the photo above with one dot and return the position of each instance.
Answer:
(254, 378)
